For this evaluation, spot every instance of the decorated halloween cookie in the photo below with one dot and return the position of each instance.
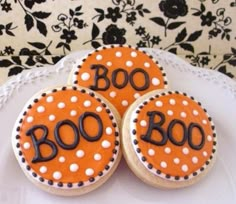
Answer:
(66, 140)
(120, 73)
(168, 139)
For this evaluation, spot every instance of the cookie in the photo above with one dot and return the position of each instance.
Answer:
(120, 73)
(169, 140)
(67, 140)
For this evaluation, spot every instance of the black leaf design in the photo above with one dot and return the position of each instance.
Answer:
(194, 36)
(41, 59)
(9, 33)
(29, 3)
(140, 12)
(16, 59)
(30, 61)
(101, 17)
(197, 13)
(5, 63)
(232, 62)
(29, 22)
(42, 28)
(67, 46)
(15, 70)
(158, 20)
(146, 11)
(203, 8)
(78, 8)
(180, 37)
(174, 25)
(60, 44)
(140, 6)
(8, 26)
(187, 46)
(173, 50)
(226, 57)
(41, 15)
(71, 12)
(47, 52)
(233, 50)
(99, 10)
(95, 44)
(95, 31)
(222, 69)
(37, 45)
(56, 59)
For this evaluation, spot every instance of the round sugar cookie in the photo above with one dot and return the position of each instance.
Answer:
(120, 73)
(67, 140)
(169, 140)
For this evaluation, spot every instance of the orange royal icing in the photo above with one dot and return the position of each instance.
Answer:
(124, 66)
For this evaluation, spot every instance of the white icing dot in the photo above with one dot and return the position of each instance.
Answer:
(112, 94)
(147, 64)
(97, 157)
(73, 113)
(49, 99)
(195, 160)
(209, 138)
(124, 103)
(184, 168)
(204, 122)
(99, 57)
(185, 150)
(74, 167)
(74, 99)
(89, 171)
(204, 154)
(80, 153)
(40, 109)
(176, 160)
(159, 104)
(129, 64)
(108, 130)
(85, 76)
(172, 101)
(155, 81)
(30, 119)
(195, 112)
(26, 145)
(136, 95)
(109, 64)
(51, 117)
(183, 114)
(118, 54)
(133, 54)
(87, 103)
(163, 164)
(143, 123)
(43, 169)
(61, 105)
(62, 159)
(151, 152)
(57, 175)
(99, 109)
(170, 112)
(167, 150)
(185, 103)
(106, 144)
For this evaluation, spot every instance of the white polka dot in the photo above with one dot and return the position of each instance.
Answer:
(167, 150)
(136, 95)
(133, 54)
(204, 122)
(62, 159)
(151, 152)
(73, 113)
(172, 101)
(89, 172)
(143, 123)
(185, 103)
(108, 130)
(106, 144)
(109, 64)
(155, 81)
(57, 175)
(112, 94)
(74, 99)
(40, 109)
(184, 168)
(26, 145)
(185, 150)
(124, 103)
(209, 138)
(195, 160)
(183, 115)
(170, 112)
(195, 112)
(129, 64)
(159, 104)
(51, 117)
(43, 169)
(97, 157)
(80, 153)
(49, 99)
(147, 64)
(61, 105)
(163, 164)
(118, 54)
(30, 119)
(99, 109)
(85, 76)
(99, 57)
(176, 160)
(205, 154)
(74, 167)
(87, 103)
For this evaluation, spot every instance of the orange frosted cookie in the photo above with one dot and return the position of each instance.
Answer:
(66, 140)
(120, 73)
(169, 140)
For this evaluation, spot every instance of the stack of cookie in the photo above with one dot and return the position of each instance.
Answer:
(68, 139)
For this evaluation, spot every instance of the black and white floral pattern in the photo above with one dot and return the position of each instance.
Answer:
(34, 33)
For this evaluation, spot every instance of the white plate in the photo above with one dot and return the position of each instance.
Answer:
(217, 94)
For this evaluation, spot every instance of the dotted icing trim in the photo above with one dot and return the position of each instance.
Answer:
(79, 184)
(142, 158)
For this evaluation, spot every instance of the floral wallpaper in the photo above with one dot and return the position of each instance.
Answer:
(34, 33)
